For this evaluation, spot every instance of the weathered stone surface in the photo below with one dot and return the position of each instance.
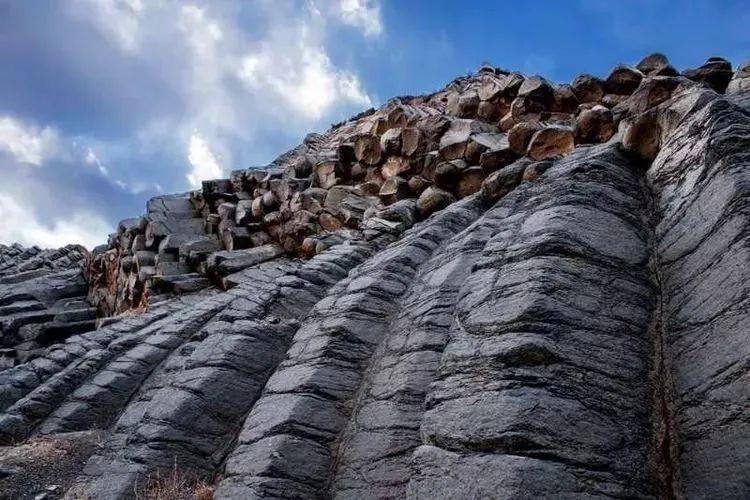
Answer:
(433, 199)
(507, 320)
(623, 80)
(716, 73)
(520, 135)
(594, 125)
(550, 141)
(588, 88)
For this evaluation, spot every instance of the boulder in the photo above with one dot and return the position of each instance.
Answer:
(588, 88)
(394, 188)
(390, 141)
(500, 183)
(325, 174)
(716, 73)
(448, 173)
(432, 200)
(551, 141)
(623, 80)
(537, 89)
(367, 149)
(417, 184)
(520, 136)
(395, 165)
(470, 182)
(564, 99)
(594, 125)
(656, 64)
(741, 80)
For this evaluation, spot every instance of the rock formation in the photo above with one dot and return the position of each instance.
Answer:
(508, 288)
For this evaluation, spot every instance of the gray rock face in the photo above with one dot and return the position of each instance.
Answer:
(575, 328)
(42, 299)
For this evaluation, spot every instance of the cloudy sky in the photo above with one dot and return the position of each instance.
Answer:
(105, 103)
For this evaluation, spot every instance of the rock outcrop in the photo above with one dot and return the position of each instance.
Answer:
(509, 288)
(42, 300)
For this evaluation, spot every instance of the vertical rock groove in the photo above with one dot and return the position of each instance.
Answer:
(666, 447)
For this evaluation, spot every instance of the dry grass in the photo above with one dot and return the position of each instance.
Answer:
(175, 486)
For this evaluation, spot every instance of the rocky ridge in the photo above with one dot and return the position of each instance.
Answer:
(507, 288)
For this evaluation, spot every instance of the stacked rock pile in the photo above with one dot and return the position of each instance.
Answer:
(478, 133)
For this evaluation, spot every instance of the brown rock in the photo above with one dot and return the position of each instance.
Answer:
(394, 188)
(447, 174)
(483, 141)
(490, 111)
(564, 99)
(432, 200)
(716, 73)
(417, 184)
(390, 141)
(226, 211)
(236, 238)
(594, 125)
(369, 188)
(588, 88)
(325, 174)
(524, 109)
(500, 183)
(497, 158)
(510, 85)
(313, 199)
(270, 201)
(464, 105)
(411, 141)
(537, 89)
(535, 169)
(330, 222)
(520, 136)
(307, 248)
(367, 149)
(642, 136)
(507, 122)
(612, 100)
(395, 165)
(551, 141)
(656, 64)
(623, 80)
(652, 92)
(471, 181)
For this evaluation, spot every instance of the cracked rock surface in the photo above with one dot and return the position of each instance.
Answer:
(544, 296)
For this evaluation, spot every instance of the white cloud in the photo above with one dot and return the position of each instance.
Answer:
(293, 66)
(117, 20)
(92, 159)
(362, 14)
(18, 224)
(203, 162)
(27, 143)
(303, 79)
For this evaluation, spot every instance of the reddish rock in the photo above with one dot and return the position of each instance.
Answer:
(551, 141)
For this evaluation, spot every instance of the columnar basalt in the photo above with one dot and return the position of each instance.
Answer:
(508, 288)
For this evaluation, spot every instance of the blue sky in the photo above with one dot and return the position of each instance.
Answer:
(105, 103)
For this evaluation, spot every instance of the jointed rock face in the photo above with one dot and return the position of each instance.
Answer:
(505, 289)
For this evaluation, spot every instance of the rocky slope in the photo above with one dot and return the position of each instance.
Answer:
(508, 289)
